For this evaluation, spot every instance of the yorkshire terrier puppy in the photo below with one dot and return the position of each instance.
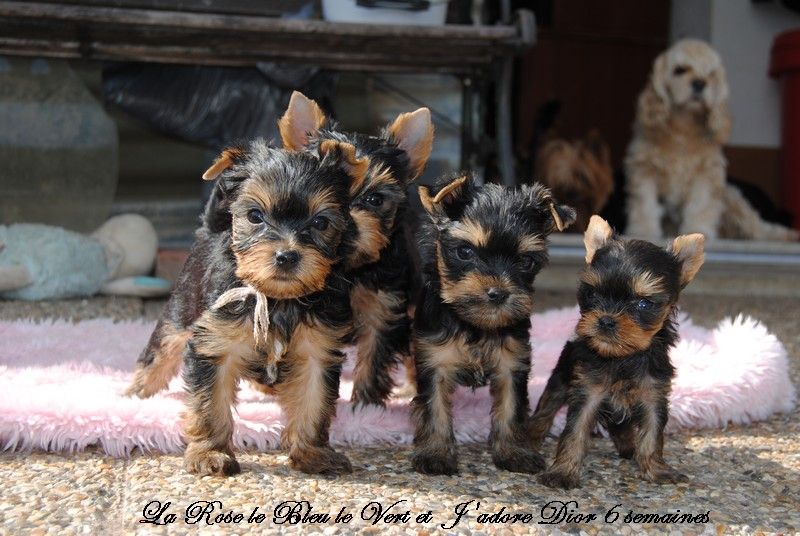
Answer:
(274, 307)
(617, 370)
(482, 250)
(578, 173)
(374, 250)
(377, 256)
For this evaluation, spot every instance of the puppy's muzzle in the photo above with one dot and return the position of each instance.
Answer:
(286, 260)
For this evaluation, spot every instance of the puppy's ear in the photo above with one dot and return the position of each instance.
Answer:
(452, 195)
(597, 235)
(690, 251)
(225, 160)
(653, 105)
(303, 118)
(413, 133)
(344, 154)
(561, 216)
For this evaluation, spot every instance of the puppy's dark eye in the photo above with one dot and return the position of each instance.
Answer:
(374, 200)
(320, 223)
(528, 262)
(679, 70)
(465, 253)
(255, 216)
(645, 305)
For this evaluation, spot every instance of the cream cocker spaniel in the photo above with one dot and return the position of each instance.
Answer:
(674, 165)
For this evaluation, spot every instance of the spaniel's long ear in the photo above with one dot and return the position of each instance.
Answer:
(719, 122)
(303, 118)
(653, 106)
(719, 117)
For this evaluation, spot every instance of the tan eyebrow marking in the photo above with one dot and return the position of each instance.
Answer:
(647, 284)
(470, 231)
(530, 243)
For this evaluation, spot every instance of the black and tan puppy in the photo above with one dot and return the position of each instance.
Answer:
(482, 249)
(275, 308)
(377, 257)
(617, 370)
(374, 249)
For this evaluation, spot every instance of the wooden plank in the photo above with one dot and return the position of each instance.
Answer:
(502, 36)
(213, 39)
(268, 8)
(206, 56)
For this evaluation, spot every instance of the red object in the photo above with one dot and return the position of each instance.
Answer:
(785, 64)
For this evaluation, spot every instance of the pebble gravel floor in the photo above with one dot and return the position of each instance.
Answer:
(744, 480)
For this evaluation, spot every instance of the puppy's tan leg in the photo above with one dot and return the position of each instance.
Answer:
(308, 396)
(510, 406)
(160, 360)
(219, 353)
(553, 399)
(644, 210)
(381, 334)
(431, 410)
(624, 437)
(649, 448)
(581, 417)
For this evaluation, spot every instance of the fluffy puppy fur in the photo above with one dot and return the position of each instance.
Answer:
(674, 165)
(617, 370)
(482, 249)
(374, 250)
(578, 173)
(288, 216)
(377, 255)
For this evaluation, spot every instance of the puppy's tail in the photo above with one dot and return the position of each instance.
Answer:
(740, 220)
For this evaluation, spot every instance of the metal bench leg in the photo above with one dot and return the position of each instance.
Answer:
(505, 151)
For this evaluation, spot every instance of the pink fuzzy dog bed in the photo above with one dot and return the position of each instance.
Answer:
(60, 388)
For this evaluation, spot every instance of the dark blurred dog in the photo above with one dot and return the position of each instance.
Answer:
(578, 173)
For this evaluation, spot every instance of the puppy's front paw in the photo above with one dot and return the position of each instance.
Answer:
(438, 462)
(664, 475)
(559, 479)
(142, 386)
(320, 461)
(210, 462)
(518, 460)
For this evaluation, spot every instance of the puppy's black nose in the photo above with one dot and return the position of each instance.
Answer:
(698, 85)
(286, 259)
(497, 295)
(607, 323)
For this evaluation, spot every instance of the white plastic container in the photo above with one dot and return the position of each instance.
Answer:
(349, 11)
